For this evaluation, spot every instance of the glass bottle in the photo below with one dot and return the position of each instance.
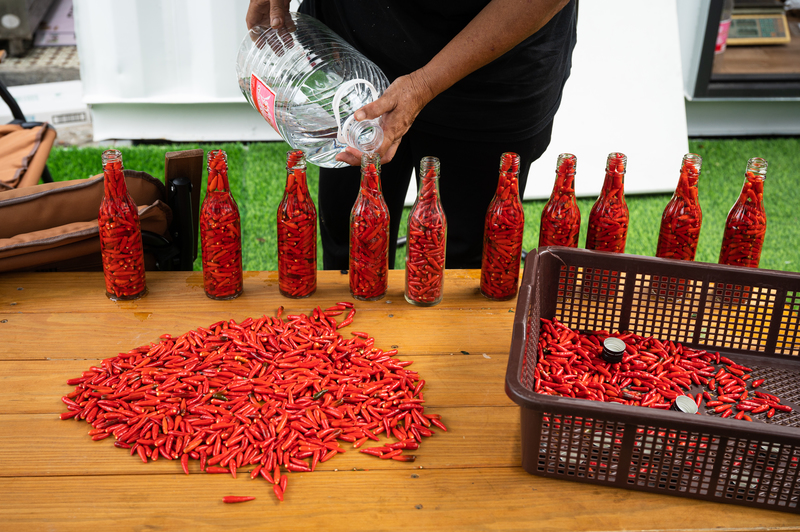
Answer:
(306, 81)
(297, 232)
(682, 217)
(502, 234)
(220, 233)
(427, 236)
(561, 217)
(608, 219)
(120, 234)
(747, 220)
(369, 235)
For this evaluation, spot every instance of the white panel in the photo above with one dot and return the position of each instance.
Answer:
(738, 118)
(182, 123)
(625, 94)
(692, 20)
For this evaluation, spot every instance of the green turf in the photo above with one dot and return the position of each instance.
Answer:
(257, 176)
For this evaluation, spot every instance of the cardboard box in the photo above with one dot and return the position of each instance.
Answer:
(60, 104)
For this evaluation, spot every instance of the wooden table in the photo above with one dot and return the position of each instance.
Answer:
(54, 477)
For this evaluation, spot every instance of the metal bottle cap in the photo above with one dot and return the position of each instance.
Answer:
(685, 404)
(613, 349)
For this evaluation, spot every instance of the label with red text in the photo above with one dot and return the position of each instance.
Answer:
(264, 99)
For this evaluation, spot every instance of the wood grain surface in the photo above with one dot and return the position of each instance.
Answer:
(53, 476)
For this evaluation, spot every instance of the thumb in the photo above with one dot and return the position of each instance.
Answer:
(374, 109)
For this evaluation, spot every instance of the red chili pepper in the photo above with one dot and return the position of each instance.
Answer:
(427, 235)
(369, 235)
(220, 233)
(276, 392)
(561, 218)
(608, 219)
(682, 217)
(747, 221)
(230, 499)
(502, 234)
(297, 232)
(120, 234)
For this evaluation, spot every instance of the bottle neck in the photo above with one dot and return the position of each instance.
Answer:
(565, 175)
(296, 182)
(508, 185)
(113, 178)
(614, 183)
(429, 180)
(370, 173)
(217, 172)
(690, 172)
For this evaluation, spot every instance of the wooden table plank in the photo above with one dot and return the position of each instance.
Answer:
(444, 499)
(36, 387)
(471, 432)
(31, 336)
(177, 291)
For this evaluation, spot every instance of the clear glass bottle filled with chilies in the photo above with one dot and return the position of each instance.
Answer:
(369, 235)
(682, 217)
(297, 232)
(427, 240)
(307, 82)
(608, 219)
(502, 234)
(746, 224)
(561, 218)
(220, 233)
(121, 247)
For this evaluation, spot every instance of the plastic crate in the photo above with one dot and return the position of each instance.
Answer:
(748, 315)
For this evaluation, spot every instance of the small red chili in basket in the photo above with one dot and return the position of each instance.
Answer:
(369, 235)
(650, 373)
(297, 232)
(120, 234)
(682, 217)
(561, 218)
(746, 224)
(427, 235)
(608, 219)
(220, 233)
(502, 234)
(274, 393)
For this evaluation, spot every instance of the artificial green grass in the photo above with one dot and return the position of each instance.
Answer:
(257, 177)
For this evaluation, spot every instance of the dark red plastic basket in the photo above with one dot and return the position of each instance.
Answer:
(748, 315)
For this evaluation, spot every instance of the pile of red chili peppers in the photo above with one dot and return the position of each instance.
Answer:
(220, 233)
(561, 218)
(120, 234)
(652, 373)
(297, 232)
(274, 394)
(369, 236)
(608, 219)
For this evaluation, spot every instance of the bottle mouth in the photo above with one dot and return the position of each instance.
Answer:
(366, 136)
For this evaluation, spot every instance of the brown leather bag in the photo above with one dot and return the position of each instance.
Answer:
(24, 149)
(53, 227)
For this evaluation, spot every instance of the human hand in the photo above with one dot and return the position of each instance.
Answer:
(268, 13)
(397, 108)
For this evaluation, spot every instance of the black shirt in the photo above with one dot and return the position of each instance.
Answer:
(514, 96)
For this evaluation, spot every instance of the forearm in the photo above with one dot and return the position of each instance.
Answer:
(500, 26)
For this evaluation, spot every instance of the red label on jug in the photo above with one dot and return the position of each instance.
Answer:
(263, 99)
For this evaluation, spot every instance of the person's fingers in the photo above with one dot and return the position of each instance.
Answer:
(277, 13)
(349, 156)
(258, 13)
(382, 105)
